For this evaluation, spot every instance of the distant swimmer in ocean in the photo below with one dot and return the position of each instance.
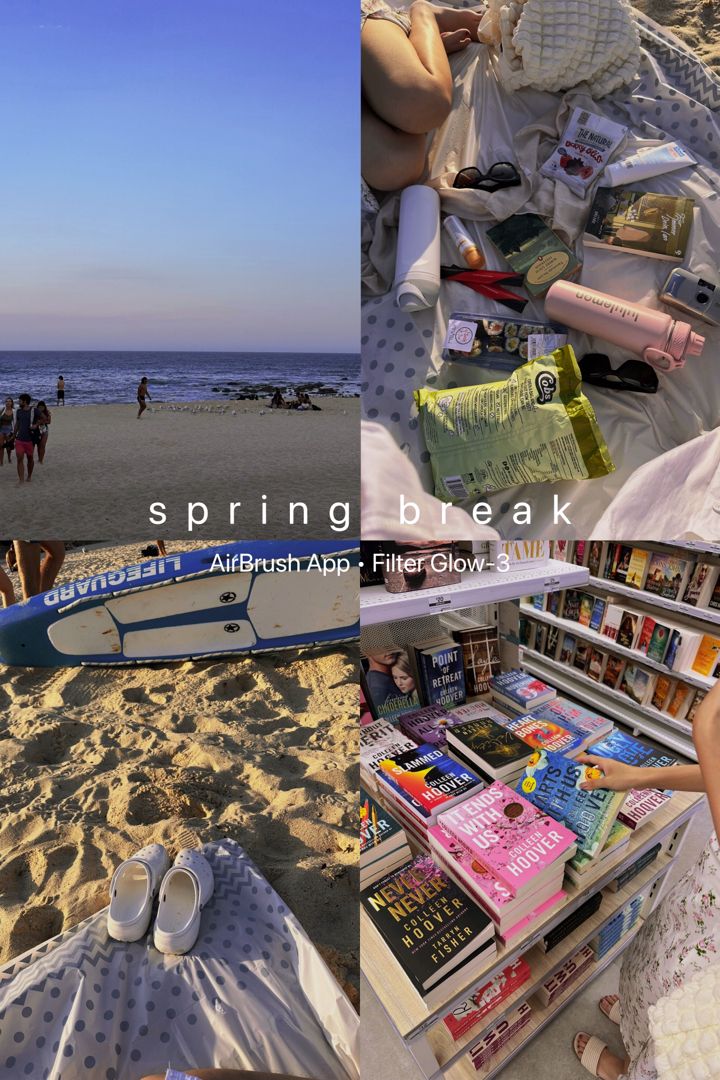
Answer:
(142, 394)
(7, 429)
(41, 428)
(24, 447)
(60, 390)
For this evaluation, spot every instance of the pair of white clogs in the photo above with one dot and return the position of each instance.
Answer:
(185, 888)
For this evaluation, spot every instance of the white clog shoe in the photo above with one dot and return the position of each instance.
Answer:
(185, 890)
(133, 890)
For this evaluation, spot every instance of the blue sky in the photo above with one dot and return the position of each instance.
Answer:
(179, 174)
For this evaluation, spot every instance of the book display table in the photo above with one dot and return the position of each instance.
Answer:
(422, 1029)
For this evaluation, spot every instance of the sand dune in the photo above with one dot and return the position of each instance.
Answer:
(98, 762)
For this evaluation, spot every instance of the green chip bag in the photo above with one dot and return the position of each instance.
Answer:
(535, 426)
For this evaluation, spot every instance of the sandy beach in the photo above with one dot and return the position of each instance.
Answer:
(103, 468)
(97, 763)
(695, 21)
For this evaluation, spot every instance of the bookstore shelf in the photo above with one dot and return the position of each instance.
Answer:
(434, 1050)
(639, 596)
(665, 729)
(541, 1017)
(447, 1050)
(377, 605)
(700, 682)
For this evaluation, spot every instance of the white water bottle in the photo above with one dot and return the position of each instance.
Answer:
(417, 262)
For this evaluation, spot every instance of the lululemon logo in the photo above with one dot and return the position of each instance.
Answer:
(545, 384)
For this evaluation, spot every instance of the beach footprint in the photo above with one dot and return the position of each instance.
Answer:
(33, 926)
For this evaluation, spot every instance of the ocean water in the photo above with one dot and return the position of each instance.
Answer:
(112, 377)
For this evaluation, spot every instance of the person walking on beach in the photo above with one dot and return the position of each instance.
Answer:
(24, 447)
(7, 425)
(60, 390)
(40, 426)
(142, 394)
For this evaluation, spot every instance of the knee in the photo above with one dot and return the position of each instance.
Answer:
(405, 165)
(429, 107)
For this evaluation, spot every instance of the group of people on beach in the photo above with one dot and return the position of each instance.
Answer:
(301, 401)
(24, 429)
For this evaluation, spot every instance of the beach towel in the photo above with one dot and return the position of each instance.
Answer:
(252, 994)
(673, 96)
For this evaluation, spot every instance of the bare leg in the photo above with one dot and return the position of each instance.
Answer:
(20, 466)
(141, 409)
(41, 449)
(391, 159)
(53, 560)
(28, 564)
(6, 589)
(30, 466)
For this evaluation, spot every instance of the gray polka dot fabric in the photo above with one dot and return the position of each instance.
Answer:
(84, 1007)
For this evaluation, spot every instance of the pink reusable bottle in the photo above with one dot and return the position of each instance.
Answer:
(661, 340)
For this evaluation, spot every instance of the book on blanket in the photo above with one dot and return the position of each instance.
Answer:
(640, 223)
(552, 783)
(431, 927)
(535, 251)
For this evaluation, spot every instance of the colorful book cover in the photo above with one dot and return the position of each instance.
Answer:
(427, 921)
(598, 614)
(662, 694)
(680, 701)
(574, 717)
(596, 663)
(488, 741)
(647, 626)
(481, 658)
(714, 601)
(637, 568)
(611, 622)
(701, 585)
(627, 629)
(700, 696)
(571, 606)
(539, 733)
(487, 997)
(620, 746)
(389, 683)
(617, 838)
(534, 250)
(520, 688)
(640, 806)
(426, 780)
(582, 655)
(594, 563)
(428, 725)
(441, 674)
(636, 682)
(621, 563)
(613, 671)
(640, 223)
(552, 783)
(666, 575)
(377, 826)
(567, 650)
(706, 658)
(586, 609)
(457, 857)
(672, 649)
(659, 643)
(554, 602)
(371, 756)
(512, 838)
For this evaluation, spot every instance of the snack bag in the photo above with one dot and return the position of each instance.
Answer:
(536, 426)
(587, 144)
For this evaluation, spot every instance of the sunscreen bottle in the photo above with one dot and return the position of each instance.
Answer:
(464, 242)
(417, 262)
(654, 335)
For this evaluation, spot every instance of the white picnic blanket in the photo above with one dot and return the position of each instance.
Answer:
(252, 994)
(673, 97)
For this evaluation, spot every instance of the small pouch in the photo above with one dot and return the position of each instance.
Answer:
(632, 375)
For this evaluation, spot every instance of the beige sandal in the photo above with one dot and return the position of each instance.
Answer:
(590, 1057)
(612, 1014)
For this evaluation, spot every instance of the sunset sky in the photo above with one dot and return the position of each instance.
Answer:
(179, 174)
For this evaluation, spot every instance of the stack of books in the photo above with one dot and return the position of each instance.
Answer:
(487, 747)
(487, 998)
(627, 875)
(483, 1052)
(508, 856)
(556, 984)
(567, 926)
(640, 805)
(540, 733)
(618, 926)
(579, 865)
(590, 725)
(439, 939)
(419, 784)
(379, 741)
(429, 725)
(383, 843)
(517, 692)
(552, 782)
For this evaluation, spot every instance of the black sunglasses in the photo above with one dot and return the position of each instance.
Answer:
(632, 375)
(500, 175)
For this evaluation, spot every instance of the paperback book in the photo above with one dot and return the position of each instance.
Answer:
(491, 1044)
(535, 251)
(556, 984)
(614, 667)
(640, 223)
(538, 732)
(551, 782)
(667, 576)
(488, 748)
(481, 658)
(590, 725)
(428, 725)
(442, 678)
(487, 998)
(640, 806)
(388, 682)
(701, 585)
(429, 924)
(425, 781)
(520, 691)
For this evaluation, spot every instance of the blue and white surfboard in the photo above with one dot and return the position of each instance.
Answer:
(235, 598)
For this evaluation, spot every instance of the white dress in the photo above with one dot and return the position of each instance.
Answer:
(679, 939)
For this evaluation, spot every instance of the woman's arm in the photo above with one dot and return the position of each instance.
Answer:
(620, 777)
(706, 736)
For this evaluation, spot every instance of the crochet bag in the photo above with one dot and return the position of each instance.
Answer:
(685, 1029)
(557, 44)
